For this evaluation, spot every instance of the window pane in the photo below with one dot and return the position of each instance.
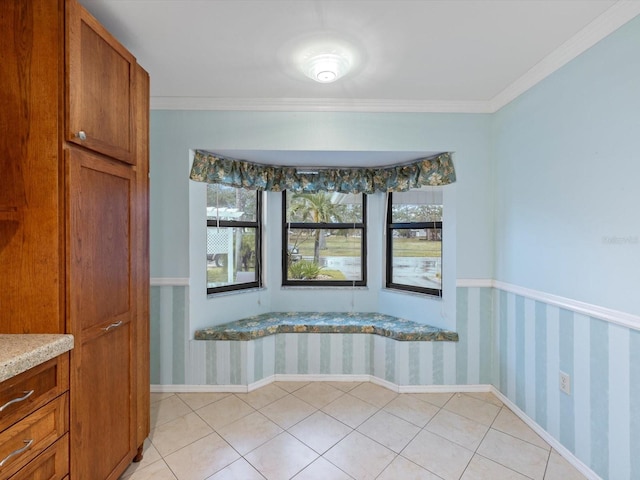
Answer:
(230, 203)
(324, 207)
(417, 257)
(416, 206)
(231, 256)
(319, 254)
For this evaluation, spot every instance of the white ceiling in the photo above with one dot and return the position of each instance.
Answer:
(418, 55)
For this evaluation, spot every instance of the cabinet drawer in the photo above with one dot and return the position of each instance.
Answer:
(22, 442)
(52, 464)
(28, 391)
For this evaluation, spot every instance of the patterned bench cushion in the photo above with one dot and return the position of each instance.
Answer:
(334, 322)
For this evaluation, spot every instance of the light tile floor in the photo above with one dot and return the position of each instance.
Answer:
(341, 430)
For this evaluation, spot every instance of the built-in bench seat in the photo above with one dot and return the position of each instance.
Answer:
(267, 324)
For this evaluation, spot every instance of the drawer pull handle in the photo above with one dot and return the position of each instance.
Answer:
(17, 400)
(27, 444)
(113, 325)
(81, 135)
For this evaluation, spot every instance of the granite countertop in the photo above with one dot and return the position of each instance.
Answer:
(19, 353)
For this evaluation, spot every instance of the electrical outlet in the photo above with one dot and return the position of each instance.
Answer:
(565, 383)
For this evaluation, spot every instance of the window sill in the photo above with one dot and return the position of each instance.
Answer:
(323, 287)
(236, 292)
(412, 294)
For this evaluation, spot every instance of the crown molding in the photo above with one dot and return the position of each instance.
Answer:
(613, 18)
(317, 105)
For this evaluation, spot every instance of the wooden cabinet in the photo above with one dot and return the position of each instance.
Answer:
(29, 63)
(74, 223)
(102, 311)
(34, 421)
(141, 273)
(30, 390)
(100, 99)
(52, 464)
(31, 40)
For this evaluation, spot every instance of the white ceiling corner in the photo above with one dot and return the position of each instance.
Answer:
(612, 19)
(468, 56)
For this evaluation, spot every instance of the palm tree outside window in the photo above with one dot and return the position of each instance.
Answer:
(324, 239)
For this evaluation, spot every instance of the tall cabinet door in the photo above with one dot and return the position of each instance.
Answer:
(100, 87)
(142, 257)
(102, 312)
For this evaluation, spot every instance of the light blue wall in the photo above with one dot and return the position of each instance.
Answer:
(173, 133)
(560, 165)
(567, 169)
(177, 237)
(600, 421)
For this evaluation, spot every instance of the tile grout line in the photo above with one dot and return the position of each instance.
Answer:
(289, 394)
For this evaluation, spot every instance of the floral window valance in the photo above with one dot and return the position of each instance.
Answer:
(211, 168)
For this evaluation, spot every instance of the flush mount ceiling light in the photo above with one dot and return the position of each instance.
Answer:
(326, 67)
(323, 57)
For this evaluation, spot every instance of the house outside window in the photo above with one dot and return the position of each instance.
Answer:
(414, 241)
(234, 231)
(324, 239)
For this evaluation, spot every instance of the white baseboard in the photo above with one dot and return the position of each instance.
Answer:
(555, 444)
(443, 388)
(321, 378)
(261, 383)
(199, 389)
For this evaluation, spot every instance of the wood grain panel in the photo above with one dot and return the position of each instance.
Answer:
(100, 242)
(22, 442)
(74, 246)
(31, 42)
(100, 87)
(47, 381)
(142, 274)
(103, 406)
(102, 313)
(52, 464)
